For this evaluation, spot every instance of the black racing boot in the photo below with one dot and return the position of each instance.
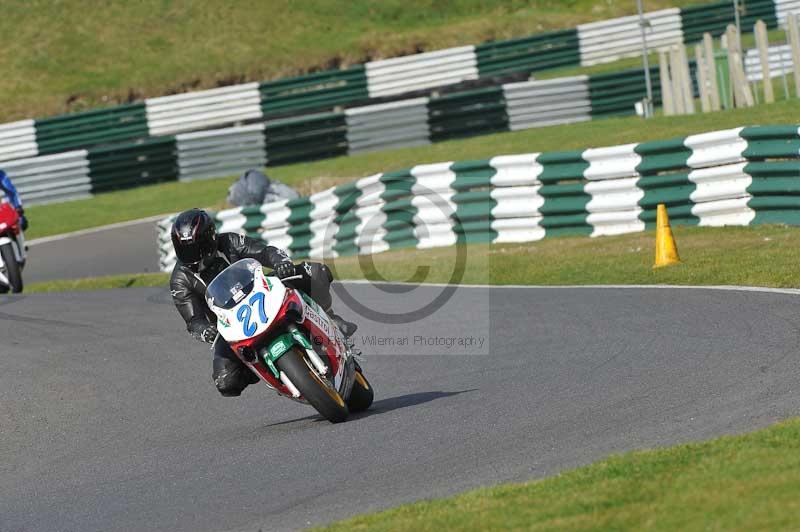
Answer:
(348, 328)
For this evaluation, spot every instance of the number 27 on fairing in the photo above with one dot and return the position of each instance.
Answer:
(245, 312)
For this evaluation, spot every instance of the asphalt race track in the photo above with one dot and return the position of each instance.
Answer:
(112, 250)
(109, 419)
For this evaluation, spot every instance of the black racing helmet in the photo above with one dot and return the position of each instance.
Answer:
(194, 237)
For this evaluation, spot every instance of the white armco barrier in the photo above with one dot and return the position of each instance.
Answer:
(18, 140)
(544, 103)
(220, 152)
(203, 109)
(421, 71)
(609, 40)
(390, 125)
(50, 178)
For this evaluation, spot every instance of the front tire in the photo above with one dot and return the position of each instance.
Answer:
(361, 395)
(11, 266)
(318, 392)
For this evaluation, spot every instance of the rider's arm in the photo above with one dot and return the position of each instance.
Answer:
(10, 190)
(249, 248)
(191, 308)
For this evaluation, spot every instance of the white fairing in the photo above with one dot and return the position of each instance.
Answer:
(234, 324)
(17, 244)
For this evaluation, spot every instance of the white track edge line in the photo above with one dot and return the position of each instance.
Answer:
(730, 288)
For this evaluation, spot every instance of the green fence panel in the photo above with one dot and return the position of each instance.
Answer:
(133, 165)
(529, 54)
(83, 130)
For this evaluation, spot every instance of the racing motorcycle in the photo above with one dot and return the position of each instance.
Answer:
(286, 339)
(12, 249)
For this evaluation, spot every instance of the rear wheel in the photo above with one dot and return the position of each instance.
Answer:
(361, 396)
(11, 267)
(317, 391)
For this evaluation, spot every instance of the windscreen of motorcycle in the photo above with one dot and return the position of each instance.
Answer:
(244, 300)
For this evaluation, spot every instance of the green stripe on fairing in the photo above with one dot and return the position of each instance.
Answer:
(673, 189)
(347, 221)
(476, 205)
(399, 211)
(564, 209)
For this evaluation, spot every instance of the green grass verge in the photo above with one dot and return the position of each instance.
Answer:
(756, 256)
(99, 283)
(748, 482)
(311, 177)
(64, 57)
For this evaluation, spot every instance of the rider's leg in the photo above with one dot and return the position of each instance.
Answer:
(317, 279)
(230, 375)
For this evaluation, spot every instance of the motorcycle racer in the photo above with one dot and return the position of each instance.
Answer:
(11, 193)
(202, 255)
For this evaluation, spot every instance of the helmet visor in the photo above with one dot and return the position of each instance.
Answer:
(189, 252)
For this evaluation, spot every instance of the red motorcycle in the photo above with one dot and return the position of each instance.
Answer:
(12, 249)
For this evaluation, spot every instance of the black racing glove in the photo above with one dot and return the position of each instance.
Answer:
(209, 334)
(23, 222)
(284, 269)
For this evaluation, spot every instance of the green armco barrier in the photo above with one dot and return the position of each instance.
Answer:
(529, 54)
(306, 138)
(102, 126)
(132, 165)
(320, 90)
(714, 18)
(466, 114)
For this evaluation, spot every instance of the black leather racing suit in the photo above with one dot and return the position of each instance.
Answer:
(188, 293)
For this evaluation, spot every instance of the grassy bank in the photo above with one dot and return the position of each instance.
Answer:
(756, 256)
(62, 59)
(748, 482)
(311, 177)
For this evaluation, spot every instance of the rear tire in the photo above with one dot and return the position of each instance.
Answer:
(315, 390)
(11, 267)
(361, 395)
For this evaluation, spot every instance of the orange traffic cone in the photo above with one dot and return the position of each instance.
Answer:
(666, 250)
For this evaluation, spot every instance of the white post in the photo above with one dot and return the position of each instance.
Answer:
(794, 39)
(708, 44)
(676, 72)
(702, 79)
(667, 99)
(686, 78)
(763, 52)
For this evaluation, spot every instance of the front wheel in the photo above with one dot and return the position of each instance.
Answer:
(317, 391)
(361, 396)
(11, 267)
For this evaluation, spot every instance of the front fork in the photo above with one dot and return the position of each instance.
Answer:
(283, 343)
